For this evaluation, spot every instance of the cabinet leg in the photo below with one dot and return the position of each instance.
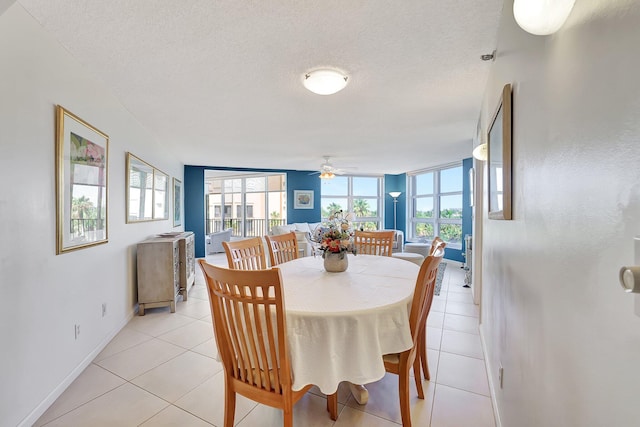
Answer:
(140, 309)
(183, 291)
(173, 306)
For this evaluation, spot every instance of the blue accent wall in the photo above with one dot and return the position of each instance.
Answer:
(194, 199)
(297, 180)
(194, 209)
(395, 183)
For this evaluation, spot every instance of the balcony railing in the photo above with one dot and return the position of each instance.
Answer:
(252, 227)
(81, 226)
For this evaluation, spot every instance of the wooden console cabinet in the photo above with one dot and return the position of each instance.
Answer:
(166, 269)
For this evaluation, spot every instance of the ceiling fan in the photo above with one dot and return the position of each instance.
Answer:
(328, 171)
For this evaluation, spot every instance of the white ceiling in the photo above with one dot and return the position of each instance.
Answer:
(220, 82)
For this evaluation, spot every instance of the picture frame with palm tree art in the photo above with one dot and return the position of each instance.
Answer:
(82, 157)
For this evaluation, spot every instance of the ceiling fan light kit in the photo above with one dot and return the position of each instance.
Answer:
(327, 175)
(325, 81)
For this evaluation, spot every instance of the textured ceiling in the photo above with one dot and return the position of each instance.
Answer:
(220, 82)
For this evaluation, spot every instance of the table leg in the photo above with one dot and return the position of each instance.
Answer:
(360, 393)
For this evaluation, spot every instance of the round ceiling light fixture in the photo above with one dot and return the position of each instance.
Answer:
(541, 17)
(325, 81)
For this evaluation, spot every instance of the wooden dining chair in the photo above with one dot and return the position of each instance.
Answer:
(374, 242)
(249, 323)
(436, 244)
(246, 254)
(400, 363)
(282, 248)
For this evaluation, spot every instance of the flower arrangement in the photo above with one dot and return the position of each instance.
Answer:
(335, 235)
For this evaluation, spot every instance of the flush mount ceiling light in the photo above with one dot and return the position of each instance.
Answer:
(325, 81)
(541, 17)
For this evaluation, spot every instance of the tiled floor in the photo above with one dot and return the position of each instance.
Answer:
(160, 371)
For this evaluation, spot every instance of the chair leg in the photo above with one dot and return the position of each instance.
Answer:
(418, 378)
(422, 352)
(403, 391)
(288, 416)
(229, 406)
(332, 405)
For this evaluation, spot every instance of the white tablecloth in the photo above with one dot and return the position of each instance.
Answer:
(341, 324)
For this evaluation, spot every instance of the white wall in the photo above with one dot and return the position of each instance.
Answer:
(46, 294)
(553, 312)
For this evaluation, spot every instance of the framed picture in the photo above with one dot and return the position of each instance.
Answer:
(177, 206)
(82, 156)
(499, 158)
(147, 191)
(303, 199)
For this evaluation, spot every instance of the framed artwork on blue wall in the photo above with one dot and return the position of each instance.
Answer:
(303, 199)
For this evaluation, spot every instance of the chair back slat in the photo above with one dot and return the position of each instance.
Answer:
(374, 242)
(282, 248)
(246, 254)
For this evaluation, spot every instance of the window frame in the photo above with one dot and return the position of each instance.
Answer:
(436, 220)
(350, 199)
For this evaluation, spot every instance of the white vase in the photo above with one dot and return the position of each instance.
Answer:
(335, 262)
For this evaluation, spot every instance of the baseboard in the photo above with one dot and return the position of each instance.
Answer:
(490, 377)
(42, 407)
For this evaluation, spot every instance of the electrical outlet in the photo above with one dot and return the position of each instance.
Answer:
(501, 375)
(104, 309)
(77, 331)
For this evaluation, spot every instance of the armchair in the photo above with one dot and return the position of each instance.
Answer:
(214, 241)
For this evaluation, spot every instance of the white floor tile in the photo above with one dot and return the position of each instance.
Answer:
(462, 309)
(463, 372)
(384, 400)
(460, 323)
(174, 417)
(126, 405)
(350, 417)
(178, 376)
(435, 319)
(309, 411)
(125, 339)
(158, 321)
(194, 307)
(208, 348)
(137, 360)
(207, 401)
(189, 335)
(461, 343)
(434, 337)
(465, 297)
(94, 381)
(455, 408)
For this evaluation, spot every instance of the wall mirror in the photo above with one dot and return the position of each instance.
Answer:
(499, 158)
(147, 191)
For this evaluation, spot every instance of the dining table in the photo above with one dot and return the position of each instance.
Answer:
(339, 325)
